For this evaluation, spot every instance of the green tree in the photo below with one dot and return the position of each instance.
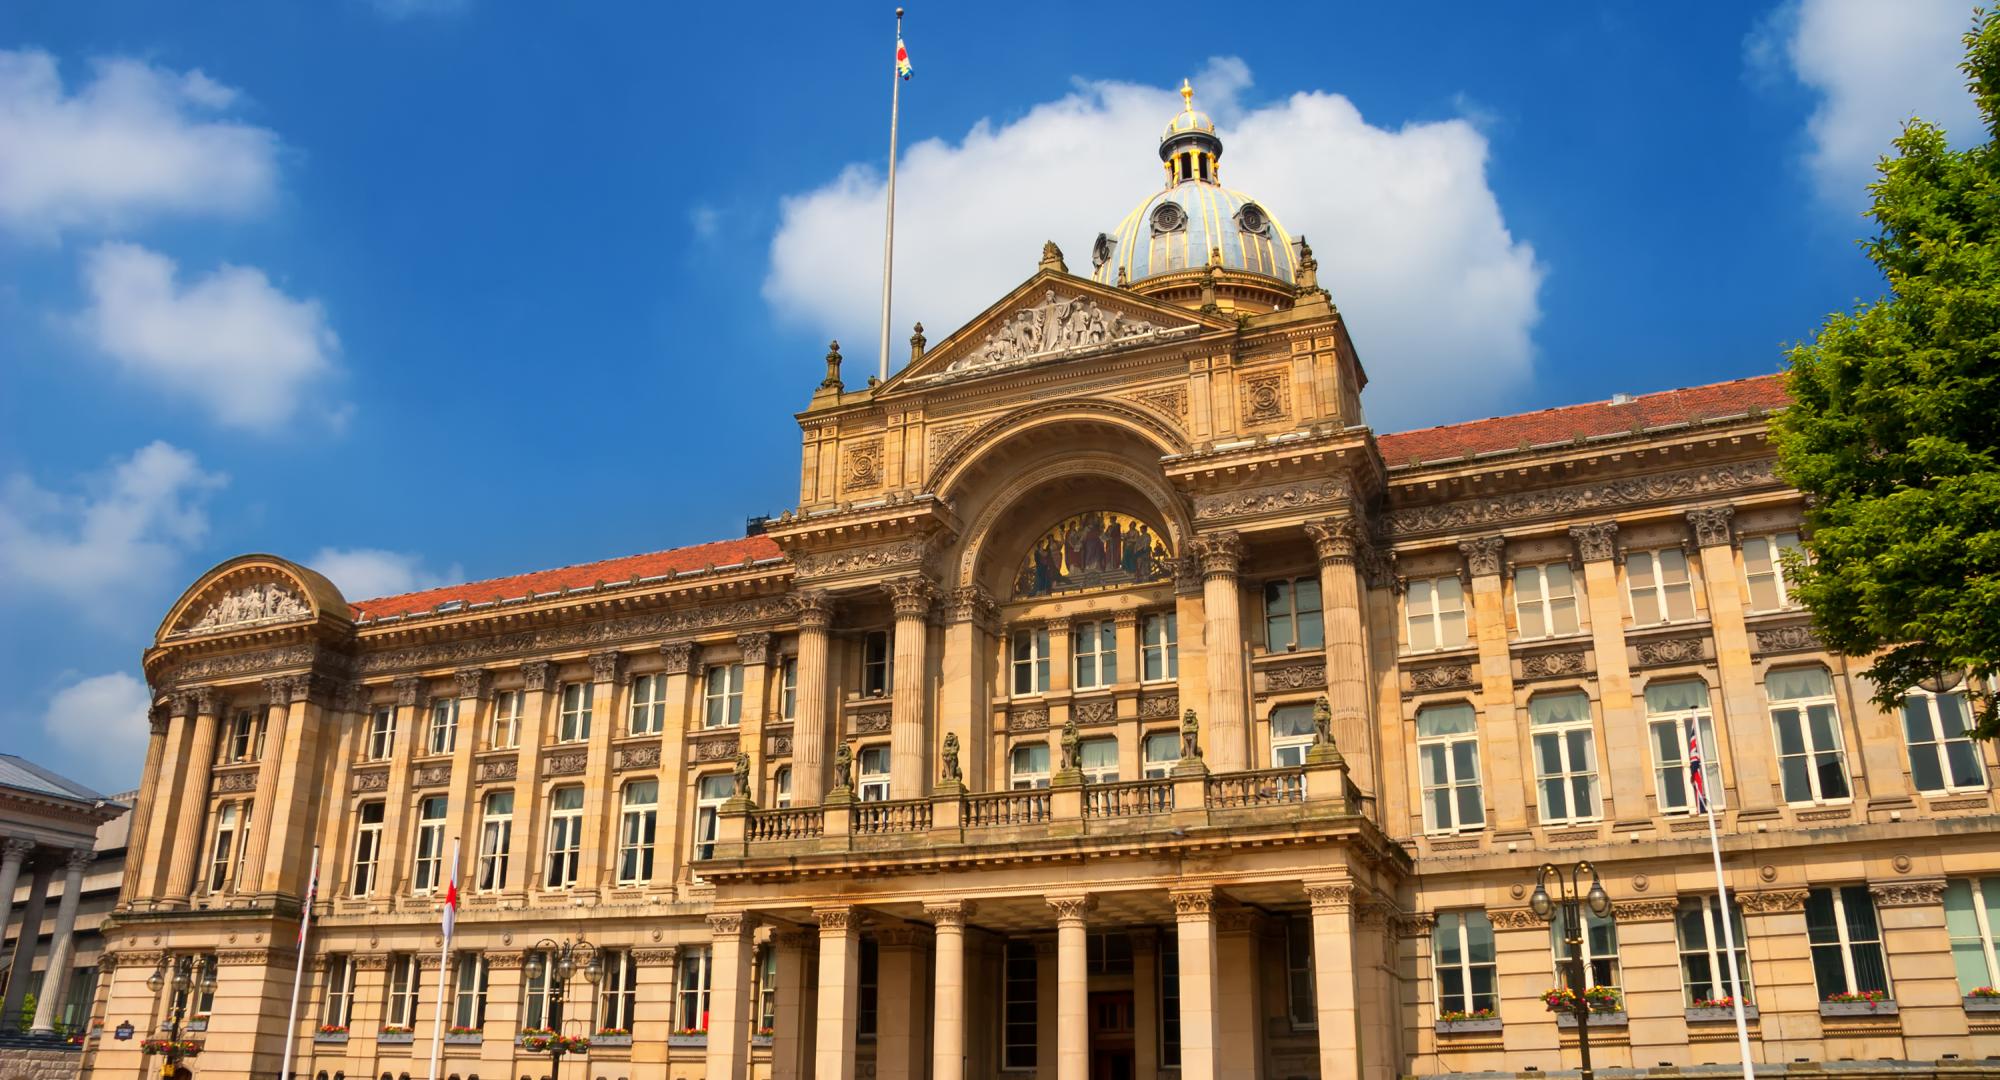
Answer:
(1895, 417)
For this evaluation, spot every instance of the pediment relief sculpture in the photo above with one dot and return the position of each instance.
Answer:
(1057, 326)
(248, 605)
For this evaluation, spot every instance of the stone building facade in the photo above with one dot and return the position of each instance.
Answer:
(1113, 703)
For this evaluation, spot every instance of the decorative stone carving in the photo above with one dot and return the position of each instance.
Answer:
(1267, 397)
(1773, 900)
(1514, 918)
(1417, 925)
(861, 466)
(679, 655)
(1270, 499)
(207, 701)
(1333, 897)
(1192, 901)
(1484, 555)
(1028, 718)
(726, 924)
(1441, 676)
(1057, 326)
(780, 746)
(232, 782)
(644, 756)
(1190, 736)
(871, 722)
(666, 955)
(843, 767)
(1582, 498)
(1711, 524)
(1159, 705)
(838, 919)
(946, 437)
(1295, 676)
(742, 770)
(1596, 541)
(1553, 664)
(950, 771)
(1907, 893)
(1644, 910)
(471, 682)
(433, 776)
(408, 689)
(1095, 712)
(568, 764)
(1171, 400)
(1069, 909)
(499, 769)
(604, 666)
(713, 748)
(911, 596)
(535, 674)
(814, 564)
(251, 605)
(373, 780)
(971, 604)
(756, 646)
(636, 628)
(813, 608)
(1798, 637)
(215, 667)
(1322, 722)
(276, 690)
(1674, 650)
(1335, 539)
(1072, 746)
(1221, 553)
(951, 913)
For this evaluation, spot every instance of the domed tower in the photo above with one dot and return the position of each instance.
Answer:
(1196, 242)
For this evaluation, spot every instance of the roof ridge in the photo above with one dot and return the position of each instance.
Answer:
(1581, 405)
(545, 570)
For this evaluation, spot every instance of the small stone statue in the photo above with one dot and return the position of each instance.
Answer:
(843, 767)
(951, 771)
(743, 775)
(1322, 722)
(1190, 736)
(1072, 752)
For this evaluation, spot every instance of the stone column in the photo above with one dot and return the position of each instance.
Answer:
(1624, 757)
(909, 732)
(302, 797)
(524, 861)
(948, 988)
(791, 1039)
(683, 660)
(1740, 716)
(1347, 675)
(1506, 752)
(1335, 989)
(391, 871)
(600, 800)
(1239, 1005)
(900, 1008)
(1145, 1003)
(729, 1002)
(277, 713)
(965, 707)
(142, 815)
(473, 697)
(809, 735)
(62, 944)
(194, 799)
(12, 854)
(155, 855)
(755, 646)
(1072, 988)
(1193, 921)
(1228, 719)
(25, 947)
(839, 993)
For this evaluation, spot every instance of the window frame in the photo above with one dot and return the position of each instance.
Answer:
(336, 1001)
(1099, 660)
(496, 841)
(1674, 772)
(1975, 890)
(1570, 773)
(1030, 668)
(1153, 768)
(366, 866)
(441, 732)
(1287, 619)
(565, 853)
(1941, 745)
(693, 982)
(427, 853)
(1456, 930)
(1159, 647)
(722, 696)
(871, 784)
(1453, 782)
(468, 1002)
(708, 813)
(575, 704)
(1660, 591)
(1101, 774)
(647, 712)
(1036, 779)
(402, 987)
(503, 731)
(1802, 706)
(788, 688)
(1283, 746)
(1592, 956)
(1545, 605)
(1424, 608)
(1713, 950)
(380, 745)
(1781, 588)
(225, 848)
(1301, 987)
(618, 997)
(1844, 941)
(877, 663)
(1020, 1004)
(638, 832)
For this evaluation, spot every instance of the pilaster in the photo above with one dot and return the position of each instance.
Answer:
(1221, 556)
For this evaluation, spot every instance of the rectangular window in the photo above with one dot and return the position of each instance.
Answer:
(1099, 760)
(1674, 710)
(1599, 948)
(381, 734)
(767, 989)
(338, 998)
(1299, 992)
(781, 784)
(1943, 756)
(565, 836)
(691, 1011)
(1448, 761)
(496, 840)
(1545, 600)
(1565, 757)
(537, 992)
(1292, 618)
(1705, 951)
(573, 723)
(204, 999)
(1467, 967)
(367, 848)
(1162, 753)
(788, 688)
(505, 731)
(1096, 647)
(1811, 759)
(1107, 954)
(711, 792)
(1018, 1027)
(443, 733)
(427, 872)
(1031, 662)
(871, 768)
(868, 990)
(468, 1004)
(637, 825)
(1764, 570)
(1160, 647)
(1291, 735)
(1658, 584)
(1028, 766)
(1846, 941)
(241, 743)
(404, 981)
(1971, 910)
(1435, 611)
(223, 848)
(724, 696)
(649, 705)
(1170, 998)
(875, 663)
(621, 991)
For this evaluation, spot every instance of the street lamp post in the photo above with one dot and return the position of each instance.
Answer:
(187, 978)
(560, 962)
(1571, 897)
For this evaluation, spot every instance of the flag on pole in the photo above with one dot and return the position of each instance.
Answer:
(451, 902)
(312, 894)
(1695, 777)
(902, 58)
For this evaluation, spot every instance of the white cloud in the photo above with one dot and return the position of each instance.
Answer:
(232, 342)
(121, 537)
(135, 140)
(1410, 239)
(370, 573)
(102, 722)
(1875, 66)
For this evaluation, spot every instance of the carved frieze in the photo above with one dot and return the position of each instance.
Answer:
(1798, 637)
(1197, 901)
(815, 564)
(604, 666)
(257, 604)
(1295, 677)
(1582, 498)
(861, 465)
(1643, 910)
(1160, 705)
(568, 763)
(1270, 499)
(499, 769)
(472, 682)
(1096, 712)
(1448, 676)
(535, 674)
(1028, 718)
(643, 756)
(679, 656)
(779, 745)
(433, 776)
(370, 780)
(652, 625)
(1673, 650)
(1596, 541)
(756, 646)
(1548, 665)
(1907, 893)
(231, 782)
(712, 748)
(945, 437)
(1056, 326)
(1515, 919)
(1773, 900)
(1267, 397)
(1171, 400)
(215, 667)
(869, 722)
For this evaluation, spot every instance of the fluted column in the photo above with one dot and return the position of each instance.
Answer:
(1333, 979)
(909, 734)
(159, 718)
(1739, 716)
(194, 798)
(474, 687)
(600, 800)
(1623, 761)
(391, 870)
(755, 648)
(1228, 716)
(1504, 758)
(839, 993)
(1195, 925)
(815, 611)
(792, 1042)
(27, 944)
(1072, 988)
(948, 983)
(62, 944)
(1336, 540)
(729, 996)
(277, 710)
(965, 704)
(12, 854)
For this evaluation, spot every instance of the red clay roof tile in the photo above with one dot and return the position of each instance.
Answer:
(625, 568)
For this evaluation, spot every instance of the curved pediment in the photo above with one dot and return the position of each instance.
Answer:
(252, 592)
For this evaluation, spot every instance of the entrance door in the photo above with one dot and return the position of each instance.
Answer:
(1111, 1035)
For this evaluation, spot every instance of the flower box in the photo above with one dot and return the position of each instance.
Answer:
(1982, 1003)
(1468, 1026)
(1719, 1014)
(464, 1038)
(699, 1039)
(333, 1038)
(1857, 1008)
(760, 1040)
(1617, 1018)
(610, 1040)
(396, 1038)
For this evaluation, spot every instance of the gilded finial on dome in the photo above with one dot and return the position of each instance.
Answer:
(1187, 95)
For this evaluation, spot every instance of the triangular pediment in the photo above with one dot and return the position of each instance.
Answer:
(1053, 317)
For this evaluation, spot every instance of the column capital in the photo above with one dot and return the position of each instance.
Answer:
(206, 700)
(159, 717)
(278, 690)
(352, 697)
(1485, 555)
(312, 687)
(1332, 896)
(537, 674)
(1596, 541)
(1189, 902)
(837, 919)
(1711, 524)
(814, 609)
(1070, 909)
(604, 665)
(78, 859)
(1058, 624)
(910, 596)
(756, 646)
(472, 682)
(728, 924)
(407, 690)
(1187, 574)
(949, 912)
(1221, 554)
(680, 656)
(17, 848)
(1335, 539)
(972, 604)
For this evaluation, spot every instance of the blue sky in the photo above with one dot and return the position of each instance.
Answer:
(418, 290)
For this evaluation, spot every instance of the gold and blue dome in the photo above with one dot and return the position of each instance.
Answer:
(1194, 222)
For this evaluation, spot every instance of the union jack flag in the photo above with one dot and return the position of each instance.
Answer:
(1695, 777)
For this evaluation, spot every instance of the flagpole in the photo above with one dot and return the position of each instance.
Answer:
(299, 969)
(444, 962)
(1728, 926)
(889, 223)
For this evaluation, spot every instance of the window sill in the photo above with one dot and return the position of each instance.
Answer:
(1567, 1020)
(396, 1038)
(687, 1040)
(1710, 1015)
(759, 1041)
(609, 1041)
(1857, 1008)
(333, 1039)
(463, 1040)
(1467, 1027)
(1982, 1004)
